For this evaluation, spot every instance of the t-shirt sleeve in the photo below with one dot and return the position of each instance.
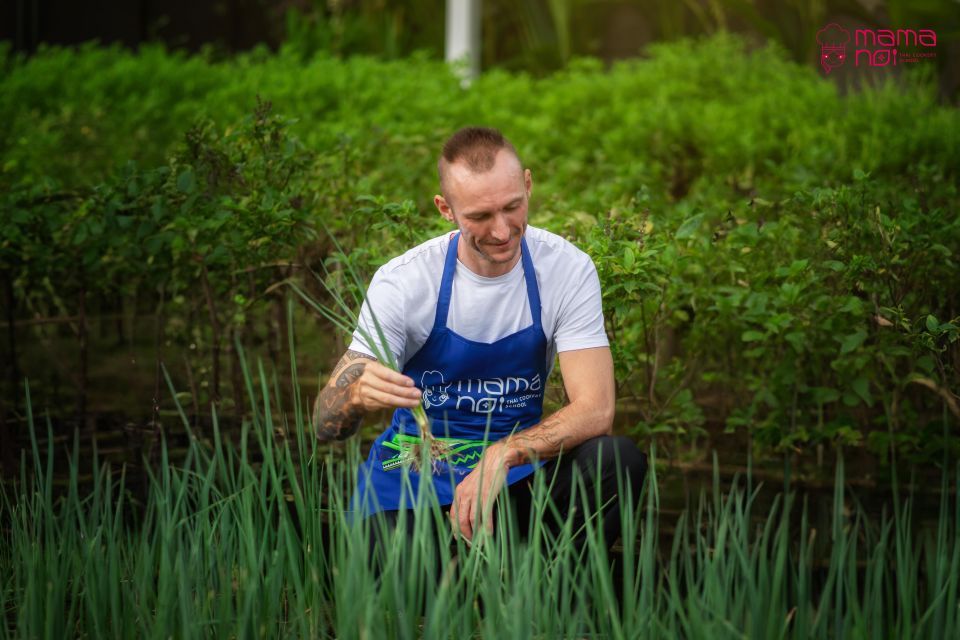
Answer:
(580, 318)
(381, 318)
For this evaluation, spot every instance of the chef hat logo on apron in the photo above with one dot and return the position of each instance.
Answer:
(434, 390)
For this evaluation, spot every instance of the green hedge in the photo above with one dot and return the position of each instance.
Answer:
(762, 237)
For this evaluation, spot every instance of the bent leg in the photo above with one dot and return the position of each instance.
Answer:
(607, 465)
(420, 533)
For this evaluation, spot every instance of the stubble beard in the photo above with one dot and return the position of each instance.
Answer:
(478, 250)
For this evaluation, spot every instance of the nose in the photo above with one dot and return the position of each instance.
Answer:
(500, 230)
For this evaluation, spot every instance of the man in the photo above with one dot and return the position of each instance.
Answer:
(475, 319)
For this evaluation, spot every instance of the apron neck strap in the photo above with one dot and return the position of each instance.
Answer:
(533, 291)
(446, 283)
(450, 268)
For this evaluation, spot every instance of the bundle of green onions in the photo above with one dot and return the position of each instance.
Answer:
(430, 450)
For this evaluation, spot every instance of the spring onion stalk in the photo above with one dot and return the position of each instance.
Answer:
(254, 540)
(430, 450)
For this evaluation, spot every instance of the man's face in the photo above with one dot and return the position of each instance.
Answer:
(490, 209)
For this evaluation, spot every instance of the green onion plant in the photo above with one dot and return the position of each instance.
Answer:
(424, 454)
(251, 535)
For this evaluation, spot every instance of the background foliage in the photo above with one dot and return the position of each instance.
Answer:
(775, 256)
(542, 36)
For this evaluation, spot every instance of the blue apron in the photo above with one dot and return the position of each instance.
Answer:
(474, 394)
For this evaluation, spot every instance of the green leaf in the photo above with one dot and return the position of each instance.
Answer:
(779, 321)
(853, 305)
(80, 235)
(752, 335)
(849, 435)
(186, 181)
(932, 323)
(834, 265)
(942, 250)
(926, 363)
(795, 338)
(689, 227)
(861, 386)
(853, 341)
(798, 266)
(628, 258)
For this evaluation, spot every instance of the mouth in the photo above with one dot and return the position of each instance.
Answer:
(512, 239)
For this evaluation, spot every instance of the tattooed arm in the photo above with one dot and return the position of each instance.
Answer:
(588, 380)
(334, 417)
(357, 385)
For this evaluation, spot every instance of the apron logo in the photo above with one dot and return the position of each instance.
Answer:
(476, 395)
(496, 394)
(434, 389)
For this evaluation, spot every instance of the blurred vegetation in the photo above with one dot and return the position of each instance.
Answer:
(774, 256)
(542, 36)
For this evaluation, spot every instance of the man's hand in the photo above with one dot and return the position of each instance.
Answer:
(380, 387)
(476, 494)
(359, 384)
(588, 378)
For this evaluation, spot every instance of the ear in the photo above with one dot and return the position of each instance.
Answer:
(441, 204)
(528, 181)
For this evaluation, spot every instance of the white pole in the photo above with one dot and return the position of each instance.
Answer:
(463, 37)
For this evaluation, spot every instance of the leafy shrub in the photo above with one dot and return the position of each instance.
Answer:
(761, 238)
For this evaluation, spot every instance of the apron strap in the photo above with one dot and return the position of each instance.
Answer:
(446, 283)
(533, 291)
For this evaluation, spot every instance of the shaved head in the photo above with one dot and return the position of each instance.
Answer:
(476, 149)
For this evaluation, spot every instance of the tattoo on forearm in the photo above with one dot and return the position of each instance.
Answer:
(350, 374)
(541, 438)
(332, 418)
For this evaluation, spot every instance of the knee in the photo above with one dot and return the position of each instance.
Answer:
(632, 462)
(617, 455)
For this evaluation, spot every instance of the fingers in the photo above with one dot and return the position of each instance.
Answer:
(387, 397)
(488, 519)
(388, 375)
(382, 387)
(474, 500)
(465, 520)
(461, 516)
(469, 515)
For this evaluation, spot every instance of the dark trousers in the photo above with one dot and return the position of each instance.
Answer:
(599, 462)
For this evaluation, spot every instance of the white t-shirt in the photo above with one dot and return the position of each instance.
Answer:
(403, 295)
